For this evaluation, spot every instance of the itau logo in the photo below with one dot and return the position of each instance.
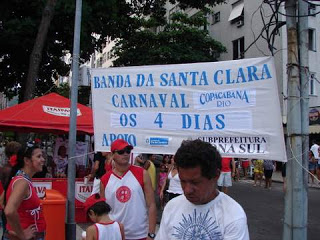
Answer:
(59, 111)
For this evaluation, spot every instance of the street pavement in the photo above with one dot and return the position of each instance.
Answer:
(265, 209)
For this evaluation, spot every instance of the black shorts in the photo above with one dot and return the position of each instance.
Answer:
(268, 173)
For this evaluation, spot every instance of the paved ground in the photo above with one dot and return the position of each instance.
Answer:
(265, 208)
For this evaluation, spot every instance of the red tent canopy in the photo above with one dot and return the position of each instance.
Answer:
(49, 113)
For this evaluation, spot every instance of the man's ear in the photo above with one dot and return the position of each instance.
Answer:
(91, 213)
(218, 171)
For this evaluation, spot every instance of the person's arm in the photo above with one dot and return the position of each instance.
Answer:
(233, 167)
(150, 201)
(237, 230)
(163, 187)
(1, 199)
(93, 170)
(139, 160)
(19, 192)
(102, 194)
(91, 233)
(146, 165)
(122, 231)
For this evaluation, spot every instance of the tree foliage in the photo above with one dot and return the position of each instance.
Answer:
(20, 20)
(183, 40)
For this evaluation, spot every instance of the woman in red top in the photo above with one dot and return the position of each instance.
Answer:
(22, 209)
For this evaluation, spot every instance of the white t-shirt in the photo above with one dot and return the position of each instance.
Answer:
(314, 148)
(222, 218)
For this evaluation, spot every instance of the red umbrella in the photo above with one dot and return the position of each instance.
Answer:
(49, 113)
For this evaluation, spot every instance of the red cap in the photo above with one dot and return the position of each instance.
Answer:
(92, 200)
(119, 144)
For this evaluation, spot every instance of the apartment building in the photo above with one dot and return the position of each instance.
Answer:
(238, 23)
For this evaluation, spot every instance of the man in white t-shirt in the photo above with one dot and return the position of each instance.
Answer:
(315, 150)
(202, 212)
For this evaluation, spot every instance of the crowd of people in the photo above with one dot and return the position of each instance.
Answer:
(127, 193)
(123, 201)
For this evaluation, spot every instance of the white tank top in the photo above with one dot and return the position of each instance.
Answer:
(110, 231)
(174, 184)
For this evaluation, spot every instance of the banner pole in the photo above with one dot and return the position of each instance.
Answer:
(70, 219)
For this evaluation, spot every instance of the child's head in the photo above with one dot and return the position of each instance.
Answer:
(95, 206)
(62, 151)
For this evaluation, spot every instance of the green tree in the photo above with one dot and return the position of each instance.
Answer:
(20, 25)
(183, 40)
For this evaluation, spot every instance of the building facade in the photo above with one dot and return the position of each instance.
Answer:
(238, 24)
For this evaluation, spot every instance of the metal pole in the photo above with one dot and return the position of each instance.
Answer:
(294, 224)
(70, 221)
(304, 103)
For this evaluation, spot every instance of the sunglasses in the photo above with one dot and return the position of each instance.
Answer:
(126, 150)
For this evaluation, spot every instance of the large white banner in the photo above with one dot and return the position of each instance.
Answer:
(234, 105)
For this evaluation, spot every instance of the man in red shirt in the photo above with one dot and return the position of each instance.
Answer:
(225, 179)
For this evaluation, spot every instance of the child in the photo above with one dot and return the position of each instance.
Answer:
(61, 162)
(97, 210)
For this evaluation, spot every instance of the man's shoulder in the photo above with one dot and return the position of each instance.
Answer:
(230, 207)
(176, 202)
(105, 177)
(136, 169)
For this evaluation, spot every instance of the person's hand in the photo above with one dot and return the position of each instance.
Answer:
(146, 165)
(233, 174)
(161, 195)
(28, 233)
(89, 176)
(139, 160)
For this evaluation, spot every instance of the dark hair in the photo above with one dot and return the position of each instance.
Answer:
(12, 148)
(21, 154)
(312, 155)
(101, 169)
(194, 153)
(165, 156)
(60, 149)
(100, 208)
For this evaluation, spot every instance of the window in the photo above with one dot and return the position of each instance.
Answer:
(99, 62)
(215, 18)
(312, 84)
(312, 9)
(236, 12)
(238, 48)
(312, 39)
